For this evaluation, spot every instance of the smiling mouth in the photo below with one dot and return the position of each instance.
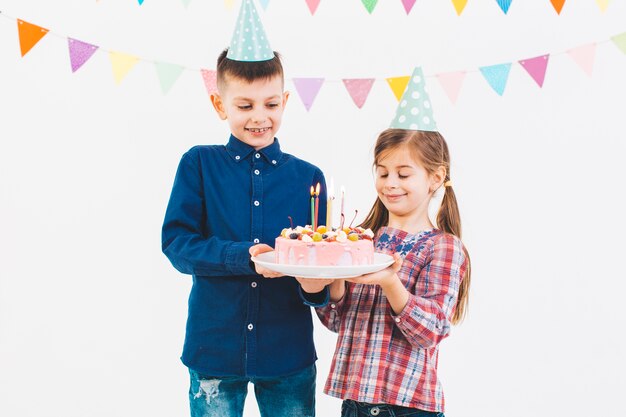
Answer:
(258, 130)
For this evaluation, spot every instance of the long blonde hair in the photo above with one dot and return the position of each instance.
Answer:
(431, 149)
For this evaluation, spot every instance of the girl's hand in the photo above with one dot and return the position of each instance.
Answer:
(313, 285)
(257, 250)
(385, 278)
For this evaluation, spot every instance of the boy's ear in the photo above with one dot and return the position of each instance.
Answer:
(285, 98)
(437, 178)
(218, 105)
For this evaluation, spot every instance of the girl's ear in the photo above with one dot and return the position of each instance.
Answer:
(218, 105)
(437, 178)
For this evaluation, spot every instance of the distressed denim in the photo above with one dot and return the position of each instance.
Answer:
(284, 396)
(351, 408)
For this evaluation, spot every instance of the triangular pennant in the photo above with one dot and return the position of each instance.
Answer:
(603, 4)
(459, 5)
(264, 3)
(497, 76)
(359, 89)
(504, 5)
(307, 89)
(536, 67)
(186, 3)
(210, 80)
(229, 4)
(558, 5)
(80, 52)
(313, 5)
(122, 63)
(451, 83)
(584, 57)
(140, 2)
(369, 5)
(29, 35)
(398, 85)
(408, 5)
(168, 74)
(620, 41)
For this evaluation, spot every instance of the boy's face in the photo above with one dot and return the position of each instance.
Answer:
(254, 110)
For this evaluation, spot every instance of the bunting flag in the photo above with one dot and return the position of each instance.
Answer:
(29, 35)
(584, 56)
(398, 85)
(140, 2)
(313, 5)
(558, 5)
(122, 64)
(210, 80)
(536, 67)
(186, 3)
(620, 41)
(451, 83)
(408, 5)
(80, 52)
(369, 5)
(603, 4)
(307, 89)
(504, 5)
(229, 4)
(168, 74)
(497, 76)
(264, 3)
(459, 5)
(359, 89)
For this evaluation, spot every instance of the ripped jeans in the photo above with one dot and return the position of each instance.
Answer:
(284, 396)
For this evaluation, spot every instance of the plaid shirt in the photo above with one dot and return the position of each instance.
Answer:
(384, 358)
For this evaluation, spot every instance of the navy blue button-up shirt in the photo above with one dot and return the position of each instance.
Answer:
(224, 200)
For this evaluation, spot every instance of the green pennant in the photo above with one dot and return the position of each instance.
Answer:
(168, 74)
(369, 5)
(620, 41)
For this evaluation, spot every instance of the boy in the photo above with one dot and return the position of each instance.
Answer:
(241, 327)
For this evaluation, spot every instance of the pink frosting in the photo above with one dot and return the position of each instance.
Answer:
(297, 252)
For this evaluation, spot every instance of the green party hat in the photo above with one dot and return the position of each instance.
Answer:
(414, 111)
(249, 42)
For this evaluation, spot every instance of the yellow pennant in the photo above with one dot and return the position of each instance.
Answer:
(122, 64)
(459, 5)
(398, 85)
(229, 3)
(603, 4)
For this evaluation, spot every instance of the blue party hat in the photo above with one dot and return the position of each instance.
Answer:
(415, 111)
(249, 42)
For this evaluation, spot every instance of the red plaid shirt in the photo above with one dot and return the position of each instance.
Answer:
(384, 358)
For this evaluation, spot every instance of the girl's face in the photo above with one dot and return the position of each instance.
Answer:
(404, 186)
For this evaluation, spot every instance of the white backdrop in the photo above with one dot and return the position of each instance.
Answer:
(92, 315)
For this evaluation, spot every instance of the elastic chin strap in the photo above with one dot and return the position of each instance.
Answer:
(435, 204)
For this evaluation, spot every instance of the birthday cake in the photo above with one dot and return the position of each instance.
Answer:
(322, 247)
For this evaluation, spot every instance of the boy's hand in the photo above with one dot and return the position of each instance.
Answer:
(257, 250)
(313, 285)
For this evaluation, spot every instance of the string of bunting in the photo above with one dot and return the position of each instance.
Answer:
(496, 75)
(370, 5)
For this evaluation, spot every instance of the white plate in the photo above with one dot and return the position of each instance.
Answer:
(267, 260)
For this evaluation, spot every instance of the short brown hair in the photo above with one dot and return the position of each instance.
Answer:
(248, 71)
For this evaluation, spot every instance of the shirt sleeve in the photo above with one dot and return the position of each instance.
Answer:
(331, 314)
(319, 299)
(184, 239)
(425, 320)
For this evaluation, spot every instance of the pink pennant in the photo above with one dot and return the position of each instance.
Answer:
(536, 67)
(451, 83)
(584, 57)
(312, 5)
(80, 52)
(359, 89)
(307, 89)
(210, 80)
(408, 5)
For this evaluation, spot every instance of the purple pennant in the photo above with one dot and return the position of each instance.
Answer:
(307, 89)
(80, 52)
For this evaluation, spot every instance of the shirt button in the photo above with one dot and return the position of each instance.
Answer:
(333, 305)
(257, 172)
(250, 326)
(273, 162)
(256, 203)
(397, 319)
(256, 240)
(257, 156)
(238, 157)
(253, 286)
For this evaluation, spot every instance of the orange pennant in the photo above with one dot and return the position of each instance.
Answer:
(558, 5)
(29, 35)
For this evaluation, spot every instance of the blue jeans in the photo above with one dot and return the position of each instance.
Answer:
(351, 408)
(284, 396)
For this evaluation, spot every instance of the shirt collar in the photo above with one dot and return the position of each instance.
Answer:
(239, 150)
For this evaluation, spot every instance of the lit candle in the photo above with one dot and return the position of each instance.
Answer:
(312, 206)
(329, 205)
(317, 205)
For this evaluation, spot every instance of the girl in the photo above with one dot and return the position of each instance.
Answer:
(390, 323)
